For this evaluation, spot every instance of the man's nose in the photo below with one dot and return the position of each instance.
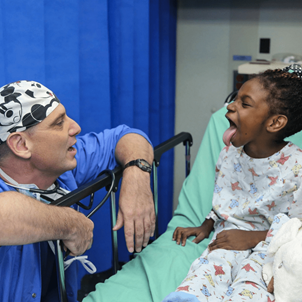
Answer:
(74, 129)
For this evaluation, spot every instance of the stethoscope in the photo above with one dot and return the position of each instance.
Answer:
(56, 189)
(14, 184)
(58, 249)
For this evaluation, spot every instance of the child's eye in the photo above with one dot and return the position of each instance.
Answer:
(244, 105)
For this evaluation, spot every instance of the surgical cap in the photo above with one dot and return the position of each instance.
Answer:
(24, 104)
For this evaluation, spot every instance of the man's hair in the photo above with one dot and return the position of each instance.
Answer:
(284, 97)
(4, 151)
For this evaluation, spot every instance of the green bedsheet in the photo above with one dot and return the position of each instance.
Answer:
(161, 267)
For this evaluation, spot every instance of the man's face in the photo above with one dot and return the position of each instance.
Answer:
(51, 144)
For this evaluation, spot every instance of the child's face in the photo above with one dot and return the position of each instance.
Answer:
(248, 114)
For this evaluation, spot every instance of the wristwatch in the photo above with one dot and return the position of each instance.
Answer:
(141, 163)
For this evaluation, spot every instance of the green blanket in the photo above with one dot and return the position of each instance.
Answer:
(161, 267)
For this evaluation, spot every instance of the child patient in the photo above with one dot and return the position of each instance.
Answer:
(257, 189)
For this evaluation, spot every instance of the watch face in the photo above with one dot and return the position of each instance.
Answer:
(144, 165)
(140, 163)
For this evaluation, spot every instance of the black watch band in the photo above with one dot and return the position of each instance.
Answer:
(141, 163)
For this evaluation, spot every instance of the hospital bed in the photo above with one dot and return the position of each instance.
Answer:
(110, 180)
(162, 265)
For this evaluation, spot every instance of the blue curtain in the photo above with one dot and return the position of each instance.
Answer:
(109, 62)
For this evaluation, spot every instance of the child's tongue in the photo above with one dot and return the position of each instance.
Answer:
(228, 134)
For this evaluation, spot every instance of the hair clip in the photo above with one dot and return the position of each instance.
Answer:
(296, 68)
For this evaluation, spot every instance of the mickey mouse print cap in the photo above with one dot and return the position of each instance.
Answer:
(24, 104)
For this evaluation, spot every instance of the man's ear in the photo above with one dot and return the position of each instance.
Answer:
(19, 144)
(276, 123)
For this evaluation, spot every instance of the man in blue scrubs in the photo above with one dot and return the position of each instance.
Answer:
(39, 153)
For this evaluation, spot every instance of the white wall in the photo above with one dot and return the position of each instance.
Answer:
(208, 35)
(283, 24)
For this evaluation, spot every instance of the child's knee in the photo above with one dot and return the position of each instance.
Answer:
(278, 221)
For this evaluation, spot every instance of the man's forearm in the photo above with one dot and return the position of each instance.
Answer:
(136, 207)
(133, 146)
(25, 220)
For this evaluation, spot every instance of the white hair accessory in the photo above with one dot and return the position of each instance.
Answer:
(294, 68)
(24, 104)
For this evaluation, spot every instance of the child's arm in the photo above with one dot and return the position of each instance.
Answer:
(237, 240)
(202, 232)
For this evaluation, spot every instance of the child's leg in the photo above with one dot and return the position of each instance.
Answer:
(249, 281)
(209, 276)
(278, 221)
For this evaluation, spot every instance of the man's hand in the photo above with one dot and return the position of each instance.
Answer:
(27, 220)
(80, 235)
(238, 240)
(136, 208)
(180, 235)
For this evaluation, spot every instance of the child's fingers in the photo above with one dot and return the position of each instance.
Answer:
(178, 235)
(214, 245)
(183, 239)
(174, 235)
(179, 238)
(198, 238)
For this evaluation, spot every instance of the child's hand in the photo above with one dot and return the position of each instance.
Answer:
(180, 235)
(270, 287)
(237, 240)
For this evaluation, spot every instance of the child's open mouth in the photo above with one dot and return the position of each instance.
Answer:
(229, 133)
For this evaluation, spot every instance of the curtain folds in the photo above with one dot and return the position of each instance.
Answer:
(110, 62)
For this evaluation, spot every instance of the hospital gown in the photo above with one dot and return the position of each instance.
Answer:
(253, 195)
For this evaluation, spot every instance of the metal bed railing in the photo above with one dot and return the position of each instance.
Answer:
(109, 179)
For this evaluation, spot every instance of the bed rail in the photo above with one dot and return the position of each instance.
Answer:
(109, 179)
(105, 180)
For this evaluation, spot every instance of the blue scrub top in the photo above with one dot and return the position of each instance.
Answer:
(23, 267)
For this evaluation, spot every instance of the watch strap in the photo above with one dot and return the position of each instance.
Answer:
(140, 163)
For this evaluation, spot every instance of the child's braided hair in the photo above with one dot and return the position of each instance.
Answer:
(285, 95)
